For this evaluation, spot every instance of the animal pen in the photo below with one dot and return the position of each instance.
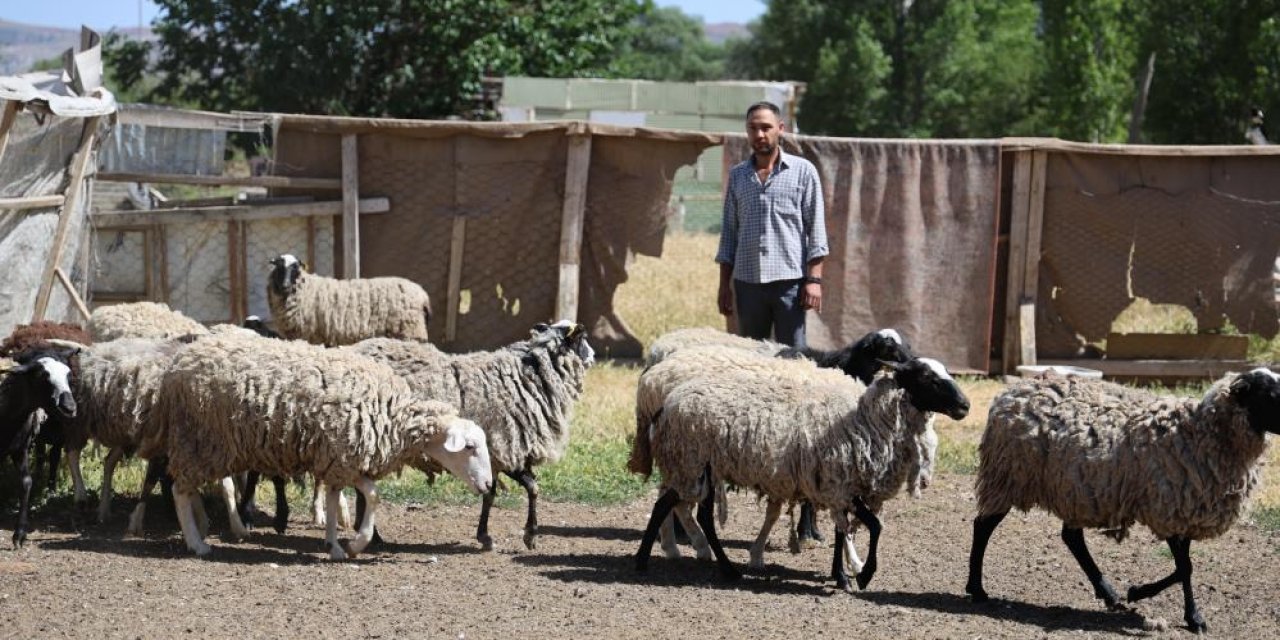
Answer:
(987, 254)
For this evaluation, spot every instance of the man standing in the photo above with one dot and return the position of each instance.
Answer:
(772, 241)
(773, 236)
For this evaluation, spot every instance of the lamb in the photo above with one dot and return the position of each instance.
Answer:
(141, 320)
(38, 379)
(56, 432)
(283, 408)
(793, 437)
(523, 394)
(332, 312)
(1100, 455)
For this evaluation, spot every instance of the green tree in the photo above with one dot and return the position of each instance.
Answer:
(1214, 59)
(666, 44)
(397, 58)
(1089, 64)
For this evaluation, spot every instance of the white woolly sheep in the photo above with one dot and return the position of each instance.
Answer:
(39, 380)
(522, 394)
(1100, 455)
(283, 408)
(332, 312)
(153, 320)
(797, 438)
(859, 360)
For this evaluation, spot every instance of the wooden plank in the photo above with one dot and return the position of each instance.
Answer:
(1158, 368)
(1031, 260)
(350, 206)
(454, 292)
(6, 123)
(281, 182)
(577, 168)
(162, 254)
(72, 293)
(79, 167)
(1020, 211)
(240, 213)
(32, 202)
(1171, 346)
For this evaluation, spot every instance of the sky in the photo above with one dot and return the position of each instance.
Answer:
(104, 14)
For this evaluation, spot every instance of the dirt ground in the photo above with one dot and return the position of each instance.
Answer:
(432, 580)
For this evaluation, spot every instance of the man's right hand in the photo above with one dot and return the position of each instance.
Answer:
(725, 299)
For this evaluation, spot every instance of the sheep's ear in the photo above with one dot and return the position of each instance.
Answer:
(891, 365)
(69, 344)
(304, 266)
(455, 440)
(276, 261)
(575, 330)
(539, 328)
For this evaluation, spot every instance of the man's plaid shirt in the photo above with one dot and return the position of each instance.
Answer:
(771, 230)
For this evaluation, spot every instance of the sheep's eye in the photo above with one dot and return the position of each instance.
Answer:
(471, 447)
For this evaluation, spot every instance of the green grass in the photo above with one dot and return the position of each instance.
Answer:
(1267, 518)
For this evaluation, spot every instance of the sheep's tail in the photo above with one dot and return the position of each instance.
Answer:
(641, 460)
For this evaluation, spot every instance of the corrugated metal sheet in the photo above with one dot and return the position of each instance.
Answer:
(667, 97)
(600, 94)
(552, 93)
(134, 148)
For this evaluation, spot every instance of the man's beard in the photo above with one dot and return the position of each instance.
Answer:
(765, 148)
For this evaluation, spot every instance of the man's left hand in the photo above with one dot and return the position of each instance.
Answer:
(811, 296)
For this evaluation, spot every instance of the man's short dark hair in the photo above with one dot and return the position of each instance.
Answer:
(764, 104)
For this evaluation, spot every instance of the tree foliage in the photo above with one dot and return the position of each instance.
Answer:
(398, 58)
(666, 44)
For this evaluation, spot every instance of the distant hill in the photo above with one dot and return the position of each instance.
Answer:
(718, 32)
(22, 45)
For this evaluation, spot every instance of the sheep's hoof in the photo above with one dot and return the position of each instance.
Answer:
(19, 537)
(531, 540)
(280, 525)
(202, 550)
(755, 563)
(486, 542)
(864, 579)
(976, 593)
(673, 552)
(1196, 623)
(336, 552)
(793, 542)
(843, 584)
(352, 554)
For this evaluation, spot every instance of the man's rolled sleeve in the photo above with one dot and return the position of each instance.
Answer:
(815, 221)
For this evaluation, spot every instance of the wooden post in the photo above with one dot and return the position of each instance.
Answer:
(350, 206)
(577, 168)
(79, 166)
(235, 272)
(311, 242)
(6, 123)
(1031, 260)
(1025, 229)
(72, 293)
(162, 255)
(454, 292)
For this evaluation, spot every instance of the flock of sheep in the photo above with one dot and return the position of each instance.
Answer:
(354, 392)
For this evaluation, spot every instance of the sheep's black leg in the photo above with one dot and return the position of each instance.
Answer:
(22, 458)
(281, 520)
(873, 527)
(661, 509)
(1181, 549)
(837, 563)
(983, 527)
(482, 531)
(807, 528)
(530, 483)
(1074, 537)
(248, 506)
(707, 520)
(360, 507)
(39, 457)
(55, 457)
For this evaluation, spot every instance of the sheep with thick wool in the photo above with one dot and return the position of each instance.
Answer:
(332, 312)
(1100, 455)
(140, 320)
(523, 395)
(792, 437)
(859, 360)
(282, 408)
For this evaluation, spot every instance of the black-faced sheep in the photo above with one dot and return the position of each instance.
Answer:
(332, 312)
(39, 379)
(522, 394)
(1100, 455)
(791, 437)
